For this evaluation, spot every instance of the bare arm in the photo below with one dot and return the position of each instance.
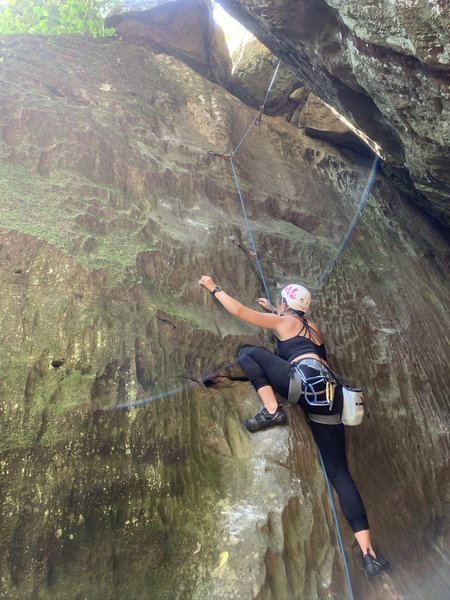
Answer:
(253, 317)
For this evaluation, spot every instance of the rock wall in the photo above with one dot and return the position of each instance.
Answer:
(122, 475)
(253, 69)
(184, 29)
(385, 66)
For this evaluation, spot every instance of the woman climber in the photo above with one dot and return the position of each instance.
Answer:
(300, 342)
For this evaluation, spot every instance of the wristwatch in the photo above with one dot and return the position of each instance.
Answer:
(216, 289)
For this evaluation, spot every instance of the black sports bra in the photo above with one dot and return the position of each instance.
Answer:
(300, 344)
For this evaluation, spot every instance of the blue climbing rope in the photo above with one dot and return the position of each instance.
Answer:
(260, 112)
(250, 233)
(326, 272)
(274, 76)
(238, 187)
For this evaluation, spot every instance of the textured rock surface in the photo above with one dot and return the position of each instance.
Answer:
(111, 210)
(319, 121)
(184, 29)
(384, 65)
(253, 69)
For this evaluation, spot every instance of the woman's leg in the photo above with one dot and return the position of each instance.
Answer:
(265, 370)
(268, 374)
(330, 440)
(364, 542)
(268, 398)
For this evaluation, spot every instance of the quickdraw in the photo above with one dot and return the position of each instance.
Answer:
(330, 391)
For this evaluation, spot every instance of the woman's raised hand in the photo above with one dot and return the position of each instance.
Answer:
(265, 304)
(207, 282)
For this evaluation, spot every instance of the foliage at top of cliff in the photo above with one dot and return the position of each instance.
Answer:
(55, 17)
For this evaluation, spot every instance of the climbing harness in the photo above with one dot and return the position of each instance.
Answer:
(316, 390)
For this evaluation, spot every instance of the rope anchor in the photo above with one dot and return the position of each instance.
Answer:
(259, 116)
(237, 243)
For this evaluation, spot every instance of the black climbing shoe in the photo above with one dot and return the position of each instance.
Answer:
(264, 419)
(374, 566)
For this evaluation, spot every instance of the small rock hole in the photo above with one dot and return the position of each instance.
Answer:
(18, 271)
(57, 363)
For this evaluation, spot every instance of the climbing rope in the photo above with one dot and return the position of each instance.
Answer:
(326, 272)
(250, 234)
(274, 76)
(338, 528)
(256, 121)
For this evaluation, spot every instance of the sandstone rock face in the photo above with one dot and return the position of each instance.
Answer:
(318, 120)
(383, 65)
(184, 29)
(122, 475)
(252, 73)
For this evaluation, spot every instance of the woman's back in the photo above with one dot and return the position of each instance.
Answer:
(300, 337)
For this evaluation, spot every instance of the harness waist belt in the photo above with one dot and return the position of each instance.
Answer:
(325, 419)
(313, 363)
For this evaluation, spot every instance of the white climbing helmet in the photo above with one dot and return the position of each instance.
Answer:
(296, 296)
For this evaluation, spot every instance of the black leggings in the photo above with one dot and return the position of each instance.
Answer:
(265, 368)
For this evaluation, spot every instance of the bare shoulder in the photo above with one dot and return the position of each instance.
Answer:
(315, 330)
(288, 327)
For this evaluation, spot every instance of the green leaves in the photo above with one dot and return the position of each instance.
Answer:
(56, 17)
